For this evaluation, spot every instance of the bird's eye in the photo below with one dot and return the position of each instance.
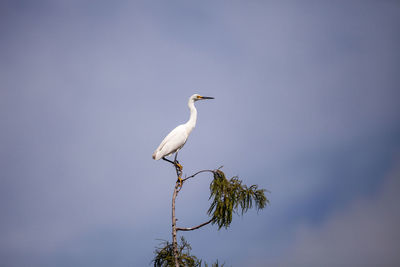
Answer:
(199, 97)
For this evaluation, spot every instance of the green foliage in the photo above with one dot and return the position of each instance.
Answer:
(230, 196)
(164, 256)
(216, 264)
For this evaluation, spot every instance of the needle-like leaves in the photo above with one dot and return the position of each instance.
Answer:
(230, 196)
(164, 255)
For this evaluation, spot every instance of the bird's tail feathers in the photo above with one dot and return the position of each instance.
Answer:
(156, 156)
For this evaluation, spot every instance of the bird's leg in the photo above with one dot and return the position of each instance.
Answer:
(164, 158)
(176, 162)
(178, 170)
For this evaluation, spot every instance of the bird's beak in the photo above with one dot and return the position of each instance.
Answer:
(207, 97)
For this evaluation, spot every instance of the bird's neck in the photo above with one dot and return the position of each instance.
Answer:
(191, 123)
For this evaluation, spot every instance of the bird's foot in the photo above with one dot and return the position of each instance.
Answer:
(179, 181)
(179, 166)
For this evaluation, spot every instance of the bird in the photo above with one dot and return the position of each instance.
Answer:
(177, 138)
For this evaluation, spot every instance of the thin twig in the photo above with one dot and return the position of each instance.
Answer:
(191, 176)
(193, 228)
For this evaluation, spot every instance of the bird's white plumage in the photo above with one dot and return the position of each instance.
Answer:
(172, 142)
(177, 138)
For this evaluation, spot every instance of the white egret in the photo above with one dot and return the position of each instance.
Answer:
(175, 140)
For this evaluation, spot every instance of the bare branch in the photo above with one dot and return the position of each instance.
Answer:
(193, 228)
(191, 176)
(174, 241)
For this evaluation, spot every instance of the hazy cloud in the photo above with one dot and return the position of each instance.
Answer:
(306, 103)
(365, 233)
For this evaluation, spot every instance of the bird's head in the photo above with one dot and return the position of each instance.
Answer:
(196, 97)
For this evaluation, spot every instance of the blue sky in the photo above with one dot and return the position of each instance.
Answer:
(306, 106)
